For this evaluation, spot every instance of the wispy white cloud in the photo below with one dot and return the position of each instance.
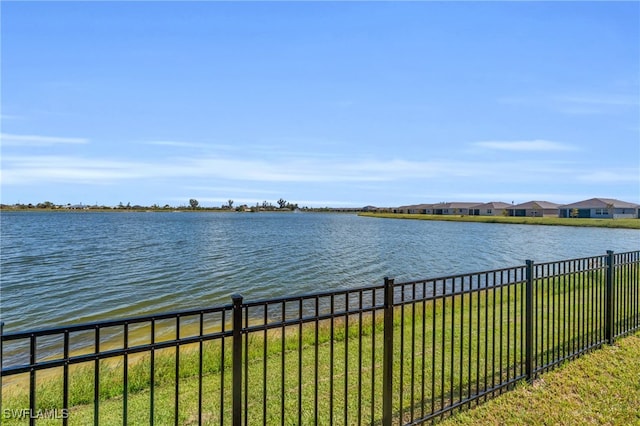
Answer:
(611, 176)
(8, 139)
(247, 180)
(599, 99)
(327, 203)
(303, 169)
(516, 100)
(515, 197)
(230, 190)
(20, 170)
(532, 145)
(176, 144)
(576, 104)
(10, 117)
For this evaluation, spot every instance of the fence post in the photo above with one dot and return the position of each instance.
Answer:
(608, 309)
(387, 366)
(529, 322)
(237, 360)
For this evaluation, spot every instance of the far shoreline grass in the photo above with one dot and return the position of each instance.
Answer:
(548, 221)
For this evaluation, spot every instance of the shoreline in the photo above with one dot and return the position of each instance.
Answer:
(175, 210)
(545, 221)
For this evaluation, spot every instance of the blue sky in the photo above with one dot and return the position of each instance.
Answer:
(320, 103)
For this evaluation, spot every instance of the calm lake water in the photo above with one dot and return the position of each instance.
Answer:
(61, 268)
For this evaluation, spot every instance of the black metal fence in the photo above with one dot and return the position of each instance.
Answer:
(397, 353)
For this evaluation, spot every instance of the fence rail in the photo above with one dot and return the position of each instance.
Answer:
(397, 353)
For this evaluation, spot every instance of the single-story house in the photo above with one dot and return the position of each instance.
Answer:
(535, 209)
(401, 209)
(601, 208)
(494, 208)
(455, 208)
(414, 209)
(421, 209)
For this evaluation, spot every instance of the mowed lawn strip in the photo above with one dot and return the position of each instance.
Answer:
(602, 387)
(551, 221)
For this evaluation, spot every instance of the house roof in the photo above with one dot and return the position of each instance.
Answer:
(454, 205)
(416, 206)
(494, 205)
(600, 203)
(536, 205)
(591, 203)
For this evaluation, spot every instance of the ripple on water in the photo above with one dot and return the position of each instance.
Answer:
(64, 267)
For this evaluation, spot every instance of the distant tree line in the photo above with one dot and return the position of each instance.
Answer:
(193, 204)
(282, 204)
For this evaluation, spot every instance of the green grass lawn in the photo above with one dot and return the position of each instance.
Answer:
(329, 371)
(552, 221)
(281, 378)
(602, 387)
